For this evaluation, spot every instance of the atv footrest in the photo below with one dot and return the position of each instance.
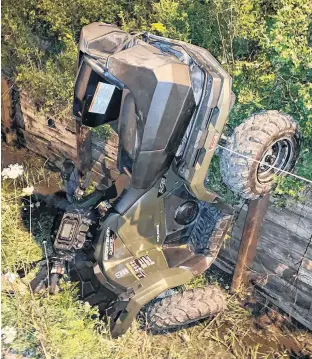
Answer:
(210, 230)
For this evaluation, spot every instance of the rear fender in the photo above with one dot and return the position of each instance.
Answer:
(146, 290)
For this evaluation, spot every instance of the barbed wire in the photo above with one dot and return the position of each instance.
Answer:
(265, 163)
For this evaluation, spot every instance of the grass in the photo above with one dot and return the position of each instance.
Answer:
(18, 246)
(62, 327)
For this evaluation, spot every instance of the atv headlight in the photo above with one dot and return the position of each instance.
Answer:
(197, 79)
(186, 213)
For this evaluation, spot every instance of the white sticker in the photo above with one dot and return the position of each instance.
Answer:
(158, 233)
(109, 244)
(101, 98)
(123, 272)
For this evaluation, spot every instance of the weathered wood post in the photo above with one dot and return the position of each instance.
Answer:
(84, 149)
(247, 250)
(6, 112)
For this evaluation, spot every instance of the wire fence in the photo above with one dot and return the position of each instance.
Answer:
(266, 164)
(282, 268)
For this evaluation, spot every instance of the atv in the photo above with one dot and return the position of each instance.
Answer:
(158, 226)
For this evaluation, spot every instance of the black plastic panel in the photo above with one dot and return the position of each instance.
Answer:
(149, 166)
(175, 232)
(100, 40)
(128, 130)
(163, 109)
(86, 83)
(127, 198)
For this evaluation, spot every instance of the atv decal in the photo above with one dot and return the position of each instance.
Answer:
(122, 273)
(158, 233)
(145, 261)
(162, 186)
(137, 266)
(109, 244)
(214, 141)
(136, 270)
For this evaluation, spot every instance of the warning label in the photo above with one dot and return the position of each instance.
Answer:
(122, 273)
(137, 266)
(101, 98)
(110, 238)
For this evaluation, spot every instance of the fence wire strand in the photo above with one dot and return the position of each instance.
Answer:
(266, 164)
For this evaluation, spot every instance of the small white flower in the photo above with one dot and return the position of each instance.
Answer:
(8, 334)
(10, 277)
(37, 204)
(13, 171)
(28, 191)
(227, 287)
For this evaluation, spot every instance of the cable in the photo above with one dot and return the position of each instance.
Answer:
(264, 163)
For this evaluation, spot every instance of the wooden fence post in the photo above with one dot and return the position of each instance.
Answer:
(6, 112)
(84, 149)
(247, 250)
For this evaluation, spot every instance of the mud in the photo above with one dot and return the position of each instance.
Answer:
(270, 328)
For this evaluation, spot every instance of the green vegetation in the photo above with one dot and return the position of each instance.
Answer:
(214, 183)
(265, 45)
(19, 247)
(62, 327)
(17, 243)
(267, 48)
(103, 131)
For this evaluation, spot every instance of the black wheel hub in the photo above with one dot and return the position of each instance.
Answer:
(277, 158)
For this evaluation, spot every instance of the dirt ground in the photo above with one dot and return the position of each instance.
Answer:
(22, 156)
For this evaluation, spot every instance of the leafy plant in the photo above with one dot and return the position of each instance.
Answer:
(266, 46)
(103, 131)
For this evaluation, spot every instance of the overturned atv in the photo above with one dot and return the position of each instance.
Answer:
(158, 226)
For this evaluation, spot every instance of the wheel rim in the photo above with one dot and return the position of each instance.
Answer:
(277, 157)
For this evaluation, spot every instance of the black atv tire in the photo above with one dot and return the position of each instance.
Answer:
(269, 137)
(184, 308)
